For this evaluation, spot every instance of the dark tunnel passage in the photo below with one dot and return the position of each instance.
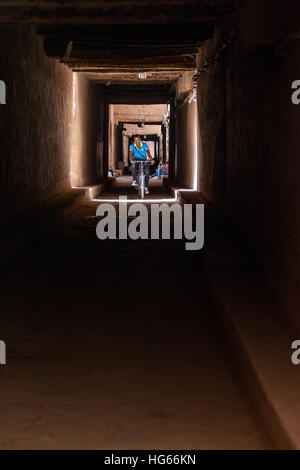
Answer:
(141, 343)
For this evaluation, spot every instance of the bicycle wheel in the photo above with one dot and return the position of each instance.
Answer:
(141, 186)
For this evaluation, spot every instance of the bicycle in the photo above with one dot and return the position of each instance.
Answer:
(141, 177)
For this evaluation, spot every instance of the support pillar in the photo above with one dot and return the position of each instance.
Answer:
(161, 148)
(125, 148)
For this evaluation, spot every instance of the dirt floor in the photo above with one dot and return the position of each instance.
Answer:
(122, 187)
(114, 345)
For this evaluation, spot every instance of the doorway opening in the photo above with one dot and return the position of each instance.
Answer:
(151, 122)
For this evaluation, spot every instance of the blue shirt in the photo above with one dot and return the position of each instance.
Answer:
(139, 153)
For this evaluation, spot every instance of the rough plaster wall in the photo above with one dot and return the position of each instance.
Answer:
(211, 109)
(35, 122)
(187, 135)
(262, 192)
(250, 162)
(280, 232)
(84, 170)
(248, 89)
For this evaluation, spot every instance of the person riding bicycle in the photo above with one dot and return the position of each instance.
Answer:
(139, 151)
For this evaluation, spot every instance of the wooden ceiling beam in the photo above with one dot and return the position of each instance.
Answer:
(119, 70)
(125, 53)
(131, 34)
(112, 11)
(181, 62)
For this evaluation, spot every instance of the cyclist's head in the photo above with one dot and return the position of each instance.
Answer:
(136, 138)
